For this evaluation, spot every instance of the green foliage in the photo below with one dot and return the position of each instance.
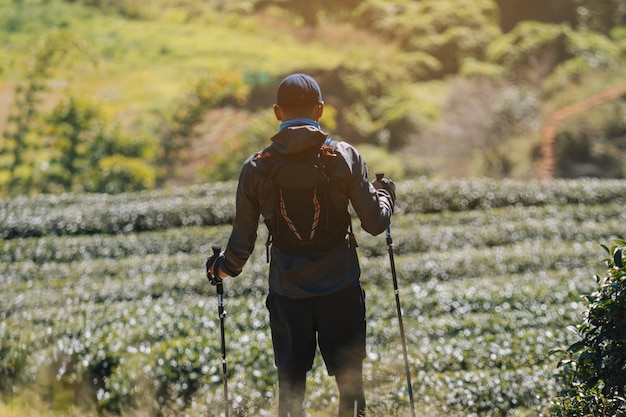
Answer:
(118, 306)
(514, 49)
(255, 137)
(37, 17)
(71, 124)
(600, 352)
(394, 166)
(449, 31)
(124, 213)
(213, 204)
(212, 90)
(379, 110)
(379, 58)
(88, 155)
(563, 75)
(532, 50)
(14, 354)
(596, 381)
(151, 9)
(117, 174)
(593, 144)
(311, 13)
(74, 147)
(180, 368)
(20, 150)
(601, 16)
(598, 51)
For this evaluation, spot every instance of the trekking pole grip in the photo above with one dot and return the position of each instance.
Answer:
(379, 177)
(216, 252)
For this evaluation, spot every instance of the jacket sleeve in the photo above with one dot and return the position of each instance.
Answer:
(247, 212)
(373, 207)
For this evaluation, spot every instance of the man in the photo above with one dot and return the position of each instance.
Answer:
(315, 297)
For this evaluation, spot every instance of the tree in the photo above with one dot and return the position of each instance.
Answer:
(553, 11)
(72, 128)
(89, 153)
(450, 31)
(19, 152)
(598, 16)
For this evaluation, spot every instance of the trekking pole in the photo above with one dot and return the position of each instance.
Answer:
(379, 177)
(222, 314)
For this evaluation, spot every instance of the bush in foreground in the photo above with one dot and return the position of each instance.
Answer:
(595, 372)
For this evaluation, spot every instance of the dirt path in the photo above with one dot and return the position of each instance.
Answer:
(550, 127)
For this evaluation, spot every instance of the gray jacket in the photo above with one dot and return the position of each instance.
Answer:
(304, 276)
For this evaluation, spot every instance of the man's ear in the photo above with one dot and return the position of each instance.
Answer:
(278, 113)
(320, 110)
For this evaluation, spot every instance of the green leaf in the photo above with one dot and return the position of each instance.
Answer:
(617, 258)
(577, 347)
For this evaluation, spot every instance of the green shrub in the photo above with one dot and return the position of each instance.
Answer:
(180, 370)
(14, 354)
(213, 204)
(117, 174)
(449, 31)
(228, 162)
(120, 312)
(532, 49)
(209, 91)
(595, 373)
(593, 143)
(22, 146)
(598, 51)
(380, 160)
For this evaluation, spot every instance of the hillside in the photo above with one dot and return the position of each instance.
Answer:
(138, 70)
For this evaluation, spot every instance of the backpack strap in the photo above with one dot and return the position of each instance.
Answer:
(268, 244)
(329, 148)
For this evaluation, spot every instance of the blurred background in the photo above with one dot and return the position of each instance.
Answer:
(123, 95)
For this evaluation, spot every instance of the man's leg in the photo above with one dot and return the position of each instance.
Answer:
(294, 342)
(291, 388)
(351, 392)
(340, 318)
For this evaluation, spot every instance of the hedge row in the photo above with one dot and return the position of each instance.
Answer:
(213, 204)
(412, 233)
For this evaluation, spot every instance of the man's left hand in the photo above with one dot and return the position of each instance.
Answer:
(214, 272)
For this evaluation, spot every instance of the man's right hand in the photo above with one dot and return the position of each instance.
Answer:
(385, 184)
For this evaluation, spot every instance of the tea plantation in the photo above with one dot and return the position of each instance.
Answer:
(105, 307)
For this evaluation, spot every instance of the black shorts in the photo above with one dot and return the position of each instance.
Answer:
(336, 321)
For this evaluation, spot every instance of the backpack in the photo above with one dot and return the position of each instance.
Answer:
(305, 222)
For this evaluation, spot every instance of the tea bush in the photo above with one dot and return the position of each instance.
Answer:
(595, 376)
(113, 292)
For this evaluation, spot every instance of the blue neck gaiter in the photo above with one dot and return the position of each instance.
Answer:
(299, 121)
